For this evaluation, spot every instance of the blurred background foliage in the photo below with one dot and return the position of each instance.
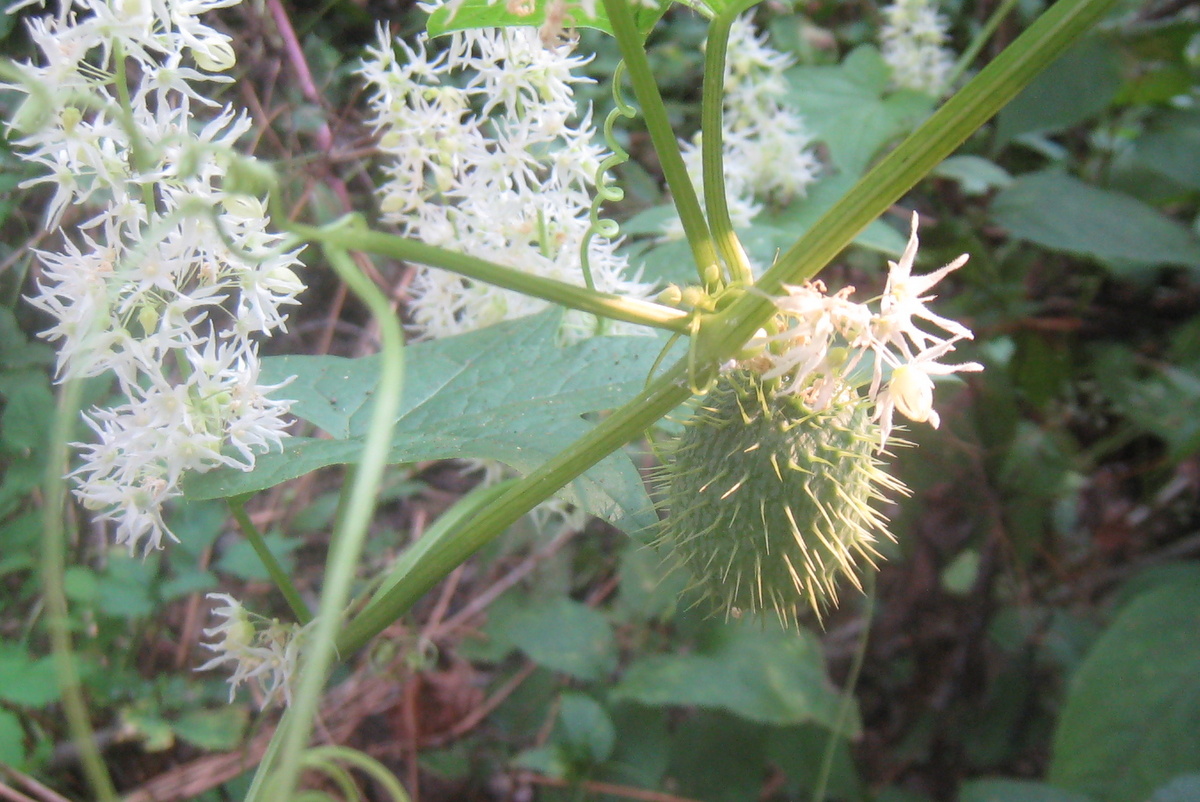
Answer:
(1035, 634)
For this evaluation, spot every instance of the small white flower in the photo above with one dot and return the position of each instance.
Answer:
(267, 652)
(489, 154)
(822, 339)
(910, 388)
(914, 41)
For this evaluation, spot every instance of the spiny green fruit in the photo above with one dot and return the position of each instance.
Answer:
(769, 503)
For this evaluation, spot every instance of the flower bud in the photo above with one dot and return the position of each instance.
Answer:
(671, 295)
(214, 54)
(911, 390)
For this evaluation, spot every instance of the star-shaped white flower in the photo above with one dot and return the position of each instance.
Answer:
(910, 388)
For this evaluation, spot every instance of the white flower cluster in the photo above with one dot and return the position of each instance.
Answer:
(490, 155)
(913, 40)
(765, 146)
(169, 282)
(826, 337)
(268, 655)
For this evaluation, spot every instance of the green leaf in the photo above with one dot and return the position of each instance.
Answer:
(719, 758)
(507, 393)
(214, 730)
(125, 588)
(1015, 791)
(1062, 213)
(547, 760)
(28, 410)
(1163, 403)
(1076, 87)
(240, 559)
(974, 174)
(24, 680)
(563, 635)
(80, 584)
(187, 584)
(1131, 720)
(197, 524)
(850, 109)
(1172, 148)
(799, 752)
(468, 14)
(759, 672)
(16, 351)
(1181, 789)
(12, 740)
(585, 730)
(642, 749)
(896, 794)
(647, 592)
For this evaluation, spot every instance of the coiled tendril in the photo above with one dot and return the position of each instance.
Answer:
(605, 190)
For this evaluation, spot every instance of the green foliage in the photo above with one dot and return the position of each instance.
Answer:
(508, 393)
(1171, 148)
(851, 108)
(1059, 212)
(759, 672)
(1076, 88)
(563, 635)
(1016, 791)
(1131, 719)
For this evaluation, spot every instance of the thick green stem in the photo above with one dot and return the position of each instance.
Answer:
(442, 555)
(712, 109)
(645, 88)
(601, 304)
(721, 335)
(1056, 30)
(279, 576)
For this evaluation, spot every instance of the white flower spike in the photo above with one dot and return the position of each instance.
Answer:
(171, 281)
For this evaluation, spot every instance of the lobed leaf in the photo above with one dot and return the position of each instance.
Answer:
(507, 393)
(1131, 720)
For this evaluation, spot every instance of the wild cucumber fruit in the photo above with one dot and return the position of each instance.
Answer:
(769, 502)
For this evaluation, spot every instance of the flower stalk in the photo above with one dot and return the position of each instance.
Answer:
(614, 307)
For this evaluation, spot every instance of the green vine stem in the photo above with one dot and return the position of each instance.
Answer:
(645, 88)
(324, 757)
(712, 110)
(722, 334)
(350, 234)
(998, 83)
(349, 535)
(968, 56)
(847, 702)
(53, 565)
(279, 576)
